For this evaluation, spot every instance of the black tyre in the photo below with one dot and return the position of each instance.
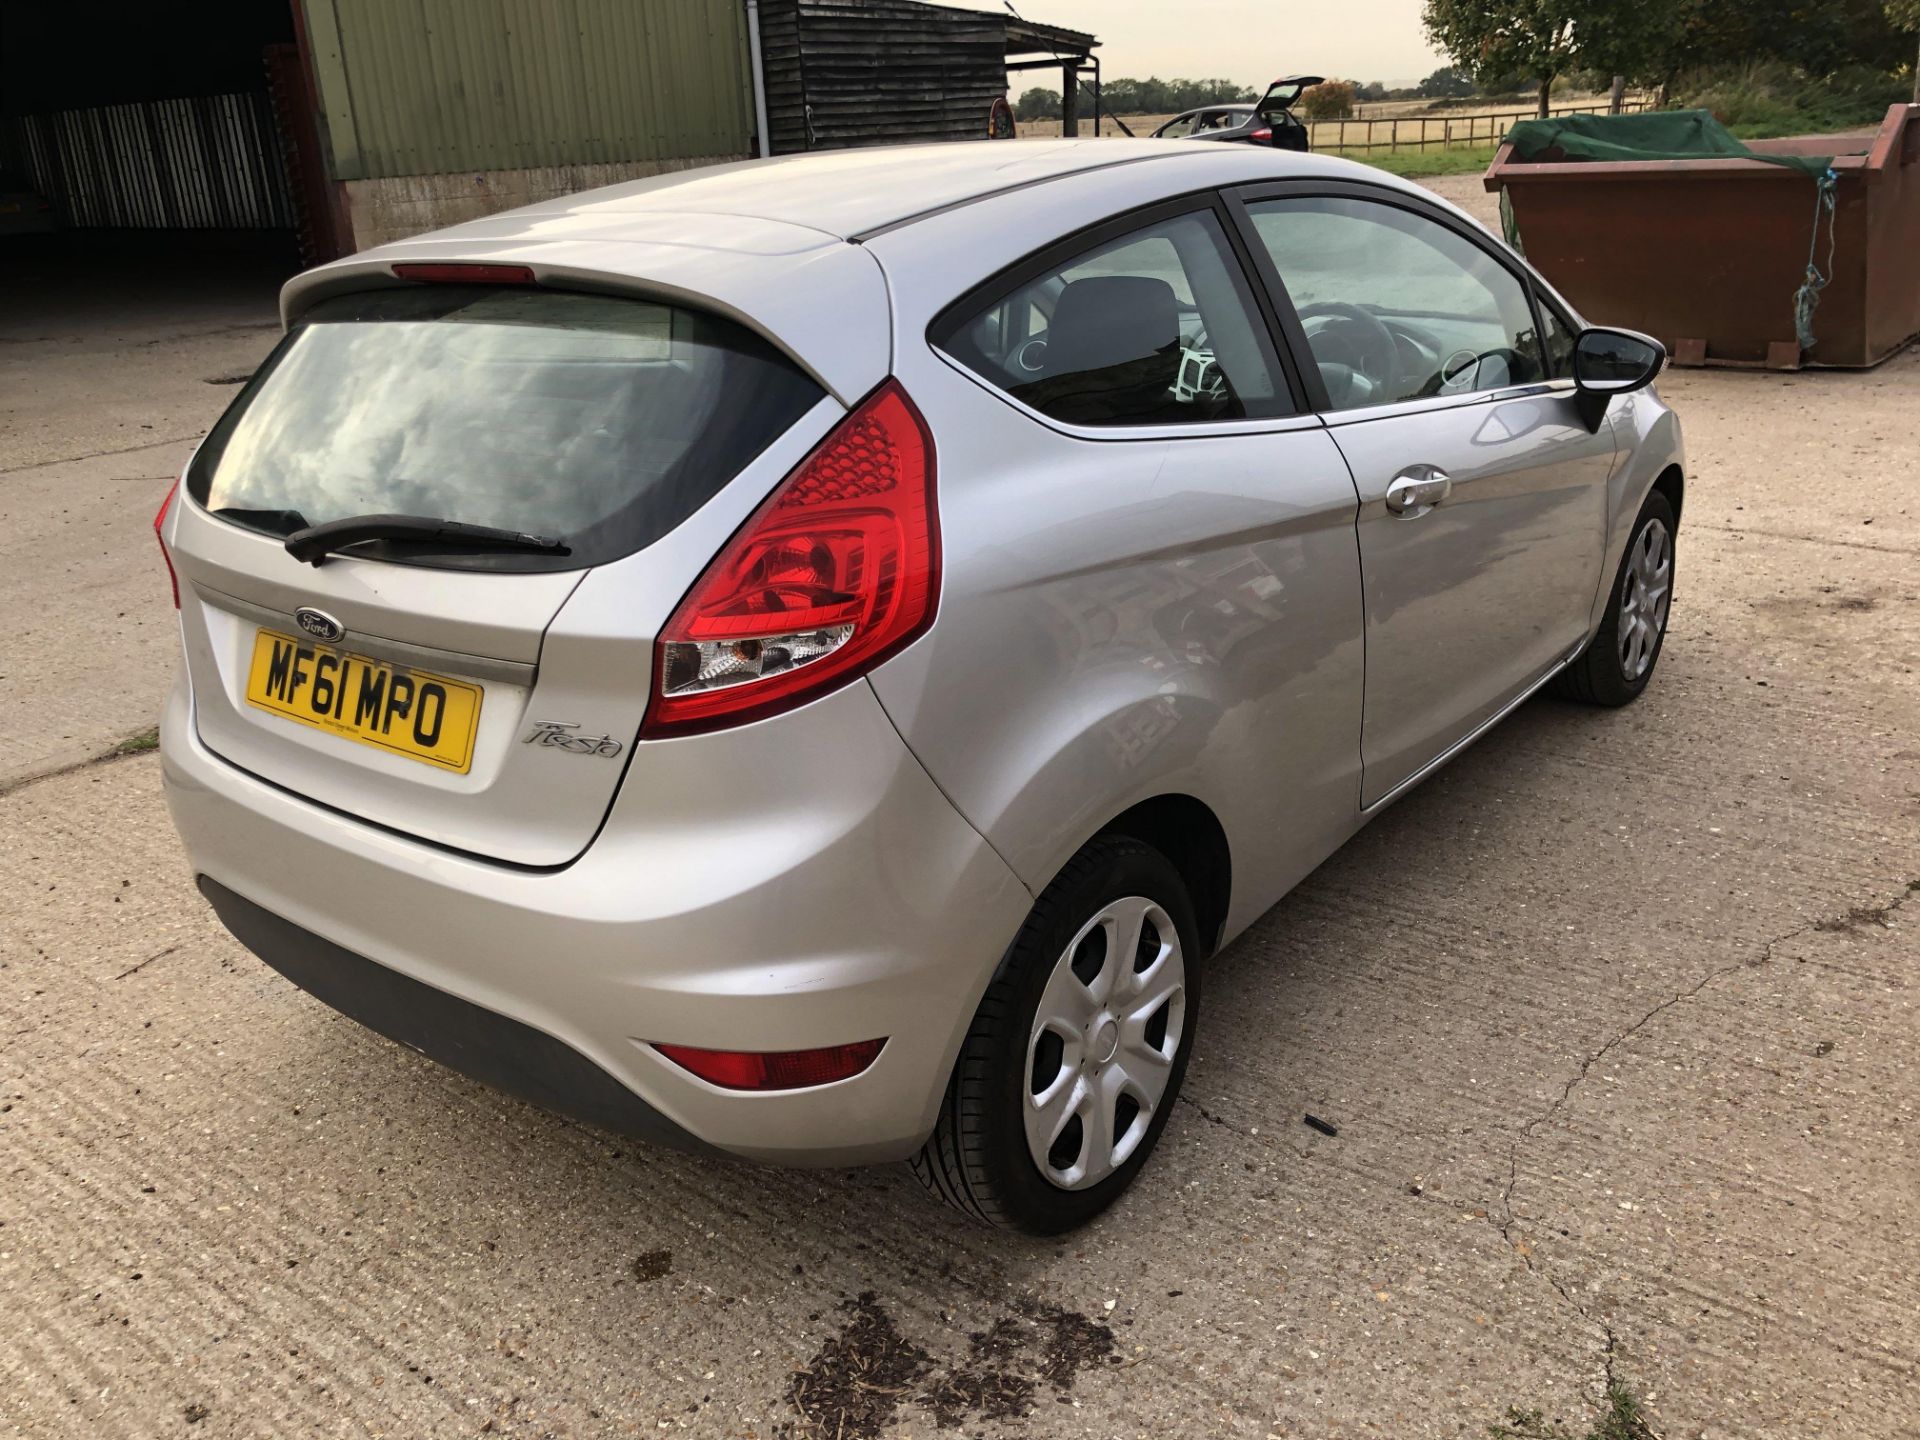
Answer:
(1076, 1054)
(1619, 662)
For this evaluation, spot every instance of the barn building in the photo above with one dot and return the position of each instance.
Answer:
(325, 126)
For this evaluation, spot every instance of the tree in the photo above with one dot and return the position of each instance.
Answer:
(1645, 41)
(1637, 40)
(1817, 39)
(1329, 100)
(1449, 82)
(1905, 15)
(1038, 103)
(1490, 37)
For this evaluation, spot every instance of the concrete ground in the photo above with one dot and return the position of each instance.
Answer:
(116, 354)
(1616, 1019)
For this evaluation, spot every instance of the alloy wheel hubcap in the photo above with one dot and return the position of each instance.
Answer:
(1104, 1038)
(1645, 591)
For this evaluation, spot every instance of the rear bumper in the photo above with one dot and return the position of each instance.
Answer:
(492, 1048)
(788, 885)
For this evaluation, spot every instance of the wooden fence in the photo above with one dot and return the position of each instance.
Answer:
(1418, 132)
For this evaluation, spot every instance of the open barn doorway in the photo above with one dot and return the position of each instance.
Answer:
(151, 163)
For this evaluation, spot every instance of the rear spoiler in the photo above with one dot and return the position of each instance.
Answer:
(779, 295)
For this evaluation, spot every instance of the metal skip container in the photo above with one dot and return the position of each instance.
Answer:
(1730, 260)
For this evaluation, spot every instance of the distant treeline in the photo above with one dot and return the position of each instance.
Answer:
(1154, 96)
(1851, 45)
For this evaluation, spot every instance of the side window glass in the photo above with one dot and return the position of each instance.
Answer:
(1396, 306)
(1557, 339)
(1154, 328)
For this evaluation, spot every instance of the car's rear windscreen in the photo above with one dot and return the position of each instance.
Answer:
(599, 420)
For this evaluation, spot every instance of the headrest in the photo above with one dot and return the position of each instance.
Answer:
(1108, 320)
(1113, 352)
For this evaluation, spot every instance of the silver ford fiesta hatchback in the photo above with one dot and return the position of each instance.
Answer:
(807, 659)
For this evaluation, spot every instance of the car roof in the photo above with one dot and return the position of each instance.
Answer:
(849, 193)
(772, 244)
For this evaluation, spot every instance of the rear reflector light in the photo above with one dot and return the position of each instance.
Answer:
(158, 521)
(466, 274)
(837, 570)
(774, 1069)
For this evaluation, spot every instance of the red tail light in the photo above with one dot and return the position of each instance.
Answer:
(839, 569)
(159, 520)
(466, 274)
(774, 1069)
(1264, 136)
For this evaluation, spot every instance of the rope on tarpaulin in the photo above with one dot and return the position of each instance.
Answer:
(1509, 227)
(1807, 298)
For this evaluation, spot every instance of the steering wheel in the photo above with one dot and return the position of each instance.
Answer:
(1209, 381)
(1362, 334)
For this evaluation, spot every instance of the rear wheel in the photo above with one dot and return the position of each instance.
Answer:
(1076, 1054)
(1617, 665)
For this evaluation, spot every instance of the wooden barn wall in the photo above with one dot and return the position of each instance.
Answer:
(875, 72)
(449, 87)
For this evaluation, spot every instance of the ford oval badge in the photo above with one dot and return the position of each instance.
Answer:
(318, 623)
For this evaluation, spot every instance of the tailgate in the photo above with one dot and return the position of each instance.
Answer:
(485, 699)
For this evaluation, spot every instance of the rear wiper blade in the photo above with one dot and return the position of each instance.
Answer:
(316, 542)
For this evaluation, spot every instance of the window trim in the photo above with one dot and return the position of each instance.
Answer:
(1294, 334)
(1543, 306)
(1055, 254)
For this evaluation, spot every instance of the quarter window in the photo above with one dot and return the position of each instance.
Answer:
(1397, 306)
(1156, 327)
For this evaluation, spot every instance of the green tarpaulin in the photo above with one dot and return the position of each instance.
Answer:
(1655, 135)
(1682, 135)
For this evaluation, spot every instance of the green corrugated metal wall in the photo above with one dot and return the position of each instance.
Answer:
(428, 87)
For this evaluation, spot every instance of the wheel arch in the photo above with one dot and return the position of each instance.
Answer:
(1190, 835)
(1671, 483)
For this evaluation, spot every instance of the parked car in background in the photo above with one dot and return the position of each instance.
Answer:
(808, 659)
(1212, 122)
(1269, 121)
(23, 209)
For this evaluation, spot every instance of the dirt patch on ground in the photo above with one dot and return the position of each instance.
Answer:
(652, 1266)
(862, 1376)
(1073, 1343)
(1862, 916)
(867, 1373)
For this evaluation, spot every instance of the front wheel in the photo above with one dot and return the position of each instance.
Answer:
(1076, 1054)
(1619, 662)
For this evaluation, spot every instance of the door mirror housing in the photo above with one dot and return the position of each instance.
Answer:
(1607, 363)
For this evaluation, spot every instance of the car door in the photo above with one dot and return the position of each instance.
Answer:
(1482, 521)
(1151, 587)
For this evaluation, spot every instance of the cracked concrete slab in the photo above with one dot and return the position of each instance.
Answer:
(1615, 1019)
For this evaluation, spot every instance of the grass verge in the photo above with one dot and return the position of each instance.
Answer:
(1423, 164)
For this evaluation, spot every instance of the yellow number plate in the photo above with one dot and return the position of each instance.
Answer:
(424, 717)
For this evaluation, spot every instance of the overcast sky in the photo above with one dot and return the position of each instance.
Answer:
(1252, 41)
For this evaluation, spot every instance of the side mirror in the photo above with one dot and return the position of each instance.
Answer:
(1607, 363)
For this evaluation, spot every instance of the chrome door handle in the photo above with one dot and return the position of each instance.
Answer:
(1417, 489)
